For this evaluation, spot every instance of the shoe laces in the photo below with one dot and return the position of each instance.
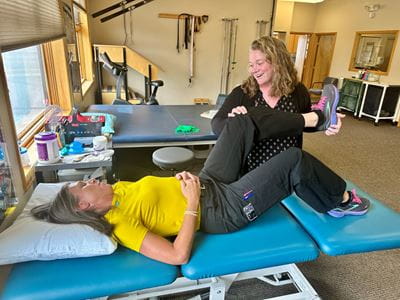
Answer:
(320, 105)
(355, 199)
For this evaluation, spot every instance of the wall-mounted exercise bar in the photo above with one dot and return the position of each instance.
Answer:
(122, 9)
(228, 52)
(261, 28)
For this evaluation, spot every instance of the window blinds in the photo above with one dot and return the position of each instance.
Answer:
(25, 23)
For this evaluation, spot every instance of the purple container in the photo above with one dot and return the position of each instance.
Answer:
(47, 147)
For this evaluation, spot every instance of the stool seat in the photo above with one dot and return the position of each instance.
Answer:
(172, 158)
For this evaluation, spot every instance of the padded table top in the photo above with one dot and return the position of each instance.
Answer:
(82, 278)
(156, 123)
(274, 239)
(378, 229)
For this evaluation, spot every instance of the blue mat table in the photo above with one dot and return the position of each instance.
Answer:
(267, 249)
(83, 278)
(379, 229)
(154, 125)
(262, 244)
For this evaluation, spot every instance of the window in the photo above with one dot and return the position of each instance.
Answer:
(26, 82)
(39, 66)
(36, 77)
(28, 74)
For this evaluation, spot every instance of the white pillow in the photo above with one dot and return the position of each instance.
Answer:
(30, 239)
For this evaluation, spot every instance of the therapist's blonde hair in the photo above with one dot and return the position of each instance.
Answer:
(64, 210)
(284, 73)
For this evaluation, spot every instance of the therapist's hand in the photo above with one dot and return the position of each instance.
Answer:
(238, 110)
(334, 129)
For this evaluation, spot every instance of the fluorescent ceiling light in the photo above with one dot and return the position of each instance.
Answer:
(305, 1)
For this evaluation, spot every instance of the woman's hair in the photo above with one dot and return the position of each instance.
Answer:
(64, 210)
(284, 77)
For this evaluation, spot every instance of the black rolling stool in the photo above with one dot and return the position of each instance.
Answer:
(173, 158)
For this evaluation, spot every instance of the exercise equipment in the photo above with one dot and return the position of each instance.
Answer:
(119, 73)
(123, 9)
(261, 28)
(125, 57)
(191, 26)
(228, 53)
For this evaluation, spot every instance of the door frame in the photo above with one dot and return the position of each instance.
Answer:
(309, 64)
(293, 43)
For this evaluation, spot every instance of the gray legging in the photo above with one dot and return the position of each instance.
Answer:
(230, 200)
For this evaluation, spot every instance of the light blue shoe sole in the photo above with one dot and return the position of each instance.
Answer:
(332, 100)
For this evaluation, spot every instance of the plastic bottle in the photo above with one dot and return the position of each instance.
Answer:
(47, 147)
(24, 156)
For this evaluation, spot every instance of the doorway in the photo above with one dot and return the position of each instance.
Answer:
(318, 59)
(297, 47)
(280, 35)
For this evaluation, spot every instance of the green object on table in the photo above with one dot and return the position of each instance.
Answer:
(186, 129)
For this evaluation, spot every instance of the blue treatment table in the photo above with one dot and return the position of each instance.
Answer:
(83, 278)
(267, 249)
(255, 248)
(379, 229)
(154, 125)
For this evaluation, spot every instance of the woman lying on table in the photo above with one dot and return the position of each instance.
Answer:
(141, 214)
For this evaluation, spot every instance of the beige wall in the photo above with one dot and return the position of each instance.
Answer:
(346, 17)
(283, 16)
(295, 16)
(304, 16)
(155, 38)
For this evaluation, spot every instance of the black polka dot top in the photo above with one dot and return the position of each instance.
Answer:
(265, 149)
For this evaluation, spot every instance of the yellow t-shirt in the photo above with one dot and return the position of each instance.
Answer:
(153, 204)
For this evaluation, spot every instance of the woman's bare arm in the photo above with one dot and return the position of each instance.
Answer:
(177, 252)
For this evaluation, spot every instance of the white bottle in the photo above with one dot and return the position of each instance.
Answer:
(24, 157)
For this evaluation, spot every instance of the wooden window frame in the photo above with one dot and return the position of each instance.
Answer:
(57, 73)
(84, 48)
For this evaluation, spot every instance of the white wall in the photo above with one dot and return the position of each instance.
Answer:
(155, 38)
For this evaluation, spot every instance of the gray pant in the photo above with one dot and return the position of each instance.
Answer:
(228, 191)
